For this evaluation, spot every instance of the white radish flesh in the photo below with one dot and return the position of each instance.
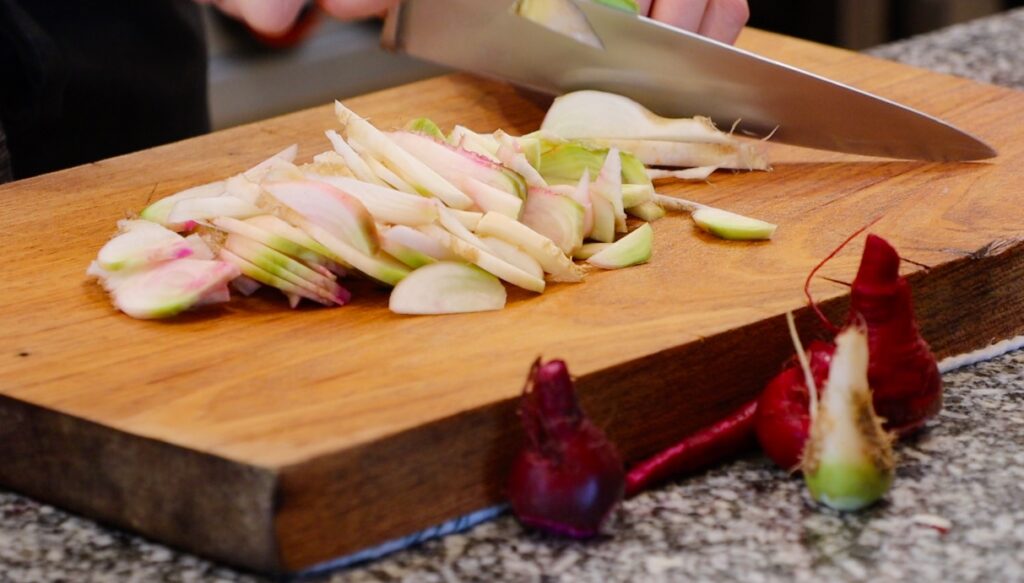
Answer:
(538, 246)
(355, 163)
(731, 226)
(515, 256)
(737, 156)
(416, 173)
(159, 210)
(260, 275)
(195, 210)
(386, 204)
(447, 288)
(609, 185)
(455, 165)
(142, 244)
(557, 217)
(596, 114)
(485, 259)
(633, 249)
(339, 213)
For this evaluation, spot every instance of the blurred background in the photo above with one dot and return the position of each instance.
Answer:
(251, 80)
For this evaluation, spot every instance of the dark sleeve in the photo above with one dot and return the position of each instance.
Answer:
(5, 158)
(91, 79)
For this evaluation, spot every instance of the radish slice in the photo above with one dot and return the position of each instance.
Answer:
(649, 211)
(425, 126)
(732, 226)
(410, 238)
(596, 114)
(484, 259)
(488, 198)
(696, 174)
(282, 244)
(557, 217)
(379, 267)
(286, 268)
(257, 172)
(456, 165)
(447, 288)
(467, 139)
(256, 273)
(735, 156)
(633, 249)
(281, 229)
(538, 246)
(515, 256)
(511, 156)
(355, 163)
(170, 288)
(245, 285)
(384, 174)
(609, 186)
(142, 244)
(416, 173)
(387, 205)
(339, 213)
(590, 249)
(203, 209)
(159, 210)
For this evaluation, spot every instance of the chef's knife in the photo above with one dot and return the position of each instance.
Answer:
(674, 73)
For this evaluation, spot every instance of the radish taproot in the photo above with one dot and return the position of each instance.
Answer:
(848, 461)
(567, 477)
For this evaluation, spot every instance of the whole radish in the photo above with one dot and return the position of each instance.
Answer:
(568, 477)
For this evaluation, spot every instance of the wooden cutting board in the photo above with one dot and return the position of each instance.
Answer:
(277, 439)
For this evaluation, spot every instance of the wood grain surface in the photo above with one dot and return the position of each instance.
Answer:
(278, 439)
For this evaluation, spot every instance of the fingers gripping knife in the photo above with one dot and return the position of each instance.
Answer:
(674, 73)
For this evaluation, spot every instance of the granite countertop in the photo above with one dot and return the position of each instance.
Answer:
(956, 511)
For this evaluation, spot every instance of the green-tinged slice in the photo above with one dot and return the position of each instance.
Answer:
(633, 249)
(285, 245)
(557, 217)
(447, 288)
(609, 185)
(258, 274)
(425, 126)
(286, 268)
(564, 163)
(172, 287)
(544, 250)
(588, 250)
(416, 173)
(732, 226)
(159, 210)
(649, 211)
(355, 163)
(395, 247)
(625, 5)
(409, 238)
(848, 460)
(141, 244)
(197, 210)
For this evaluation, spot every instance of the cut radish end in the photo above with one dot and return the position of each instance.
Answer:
(561, 16)
(633, 249)
(848, 460)
(557, 217)
(337, 212)
(732, 226)
(142, 244)
(590, 249)
(427, 127)
(538, 246)
(649, 211)
(245, 285)
(417, 174)
(447, 288)
(515, 256)
(170, 288)
(596, 114)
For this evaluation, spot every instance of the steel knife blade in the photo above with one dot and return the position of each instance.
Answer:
(674, 73)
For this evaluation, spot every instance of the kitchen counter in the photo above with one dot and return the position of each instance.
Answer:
(955, 512)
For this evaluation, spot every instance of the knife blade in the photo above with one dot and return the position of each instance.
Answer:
(674, 73)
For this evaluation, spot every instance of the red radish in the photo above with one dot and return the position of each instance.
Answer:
(697, 451)
(568, 477)
(783, 417)
(902, 371)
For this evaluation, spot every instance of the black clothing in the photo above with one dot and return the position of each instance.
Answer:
(82, 80)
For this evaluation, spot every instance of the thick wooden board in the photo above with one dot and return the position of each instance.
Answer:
(278, 439)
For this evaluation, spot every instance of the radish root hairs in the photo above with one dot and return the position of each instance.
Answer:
(805, 366)
(810, 276)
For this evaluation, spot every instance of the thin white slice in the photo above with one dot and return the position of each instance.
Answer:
(260, 275)
(557, 217)
(355, 163)
(283, 244)
(633, 249)
(609, 185)
(387, 205)
(588, 250)
(416, 173)
(257, 172)
(483, 144)
(515, 256)
(339, 213)
(735, 156)
(649, 211)
(195, 210)
(447, 288)
(401, 236)
(159, 210)
(538, 246)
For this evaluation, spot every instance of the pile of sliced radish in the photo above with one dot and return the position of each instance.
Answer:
(443, 220)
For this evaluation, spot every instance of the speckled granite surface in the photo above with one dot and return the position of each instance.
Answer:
(956, 512)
